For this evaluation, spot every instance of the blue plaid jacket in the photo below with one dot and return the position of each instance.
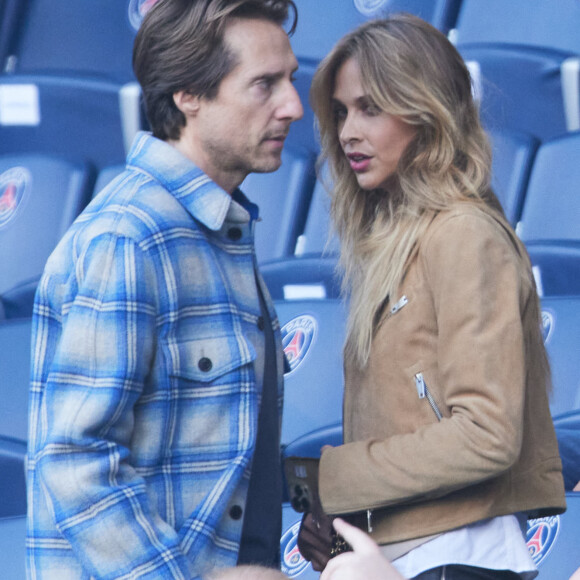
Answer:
(144, 406)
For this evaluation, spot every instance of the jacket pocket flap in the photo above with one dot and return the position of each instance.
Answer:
(206, 359)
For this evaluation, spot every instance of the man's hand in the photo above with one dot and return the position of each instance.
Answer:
(365, 561)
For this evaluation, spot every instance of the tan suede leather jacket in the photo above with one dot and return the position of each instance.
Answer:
(449, 423)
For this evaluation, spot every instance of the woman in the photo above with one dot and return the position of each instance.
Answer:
(449, 444)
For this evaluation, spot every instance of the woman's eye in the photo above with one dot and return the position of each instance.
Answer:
(371, 110)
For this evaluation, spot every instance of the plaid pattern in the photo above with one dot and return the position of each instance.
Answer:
(143, 402)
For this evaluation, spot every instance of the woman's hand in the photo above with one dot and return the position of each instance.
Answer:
(365, 561)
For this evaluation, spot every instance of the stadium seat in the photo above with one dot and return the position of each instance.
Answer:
(553, 541)
(92, 38)
(549, 221)
(539, 23)
(283, 198)
(90, 118)
(12, 482)
(10, 12)
(561, 327)
(40, 196)
(311, 40)
(513, 155)
(524, 88)
(15, 337)
(12, 547)
(68, 87)
(567, 428)
(312, 318)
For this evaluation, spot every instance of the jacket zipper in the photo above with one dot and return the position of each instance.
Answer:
(424, 393)
(398, 305)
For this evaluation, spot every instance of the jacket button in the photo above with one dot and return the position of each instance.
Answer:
(261, 323)
(236, 512)
(204, 365)
(234, 234)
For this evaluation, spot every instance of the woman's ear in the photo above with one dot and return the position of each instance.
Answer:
(187, 103)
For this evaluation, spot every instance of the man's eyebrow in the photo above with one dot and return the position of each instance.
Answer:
(273, 76)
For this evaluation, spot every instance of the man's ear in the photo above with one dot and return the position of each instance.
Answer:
(187, 103)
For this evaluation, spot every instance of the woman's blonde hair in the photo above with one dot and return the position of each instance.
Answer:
(409, 70)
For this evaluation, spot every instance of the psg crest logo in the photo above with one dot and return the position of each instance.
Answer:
(541, 537)
(369, 7)
(547, 325)
(137, 11)
(297, 338)
(293, 564)
(14, 184)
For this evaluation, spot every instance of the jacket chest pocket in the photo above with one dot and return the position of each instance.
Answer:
(206, 360)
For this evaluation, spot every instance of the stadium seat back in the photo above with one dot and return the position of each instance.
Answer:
(82, 118)
(92, 38)
(552, 203)
(12, 482)
(40, 196)
(538, 23)
(553, 541)
(313, 40)
(15, 337)
(519, 88)
(513, 154)
(12, 547)
(561, 327)
(283, 198)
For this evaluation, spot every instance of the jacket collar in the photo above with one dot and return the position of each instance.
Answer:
(204, 200)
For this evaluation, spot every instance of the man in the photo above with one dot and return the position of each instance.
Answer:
(157, 365)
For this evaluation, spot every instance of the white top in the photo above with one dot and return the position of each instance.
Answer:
(498, 544)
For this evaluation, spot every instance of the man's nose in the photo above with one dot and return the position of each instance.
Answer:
(291, 107)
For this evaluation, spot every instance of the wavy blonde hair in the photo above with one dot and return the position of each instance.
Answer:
(409, 70)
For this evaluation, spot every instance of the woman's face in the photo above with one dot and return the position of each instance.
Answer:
(372, 140)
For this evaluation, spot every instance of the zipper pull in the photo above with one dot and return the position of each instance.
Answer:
(369, 521)
(396, 307)
(420, 384)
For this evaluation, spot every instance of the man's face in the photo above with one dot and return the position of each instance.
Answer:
(243, 129)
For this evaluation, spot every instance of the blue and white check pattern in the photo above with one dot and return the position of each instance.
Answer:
(144, 403)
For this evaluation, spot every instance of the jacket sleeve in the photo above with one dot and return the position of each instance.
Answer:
(82, 439)
(472, 270)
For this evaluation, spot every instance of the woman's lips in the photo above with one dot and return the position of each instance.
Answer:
(359, 162)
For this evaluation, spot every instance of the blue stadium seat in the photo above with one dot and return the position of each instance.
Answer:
(549, 222)
(513, 155)
(522, 88)
(68, 87)
(321, 26)
(93, 119)
(567, 428)
(561, 326)
(318, 237)
(312, 317)
(10, 13)
(40, 196)
(12, 482)
(12, 547)
(293, 564)
(15, 337)
(539, 23)
(92, 38)
(553, 541)
(283, 198)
